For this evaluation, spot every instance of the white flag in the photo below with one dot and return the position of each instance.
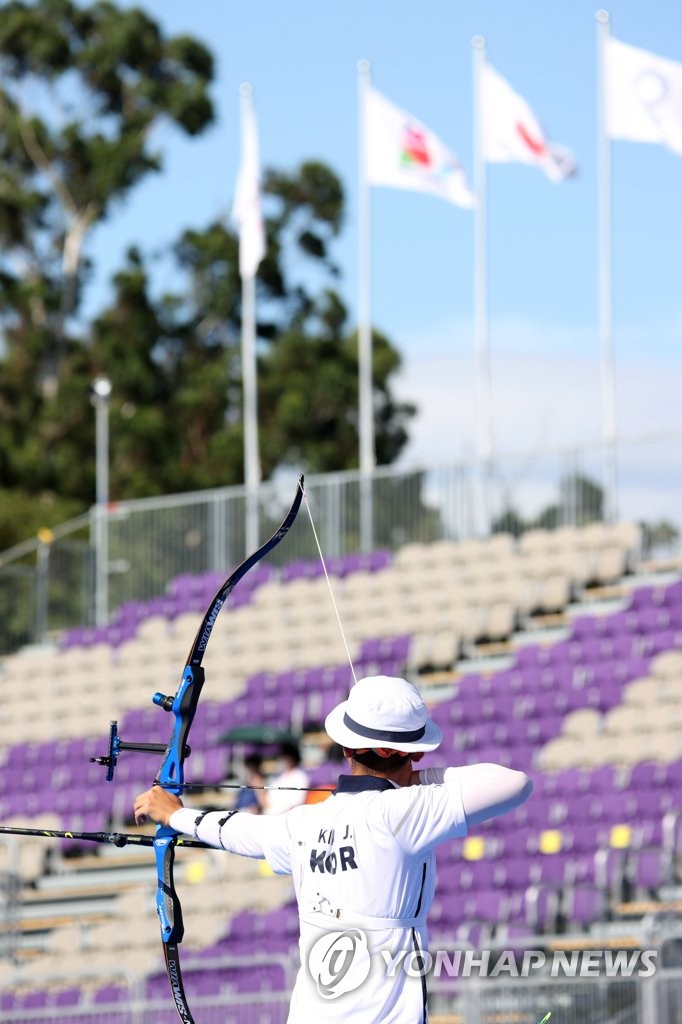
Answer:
(511, 132)
(643, 96)
(401, 152)
(246, 210)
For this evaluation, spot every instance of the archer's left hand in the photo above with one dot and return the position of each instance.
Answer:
(156, 804)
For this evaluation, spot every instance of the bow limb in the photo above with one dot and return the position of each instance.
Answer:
(171, 774)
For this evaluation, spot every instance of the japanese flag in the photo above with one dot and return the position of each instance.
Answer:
(511, 132)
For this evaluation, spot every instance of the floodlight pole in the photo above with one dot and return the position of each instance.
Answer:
(604, 271)
(101, 390)
(484, 430)
(365, 355)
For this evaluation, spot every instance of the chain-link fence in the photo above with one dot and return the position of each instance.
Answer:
(50, 583)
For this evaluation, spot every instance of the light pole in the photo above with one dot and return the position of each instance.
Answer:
(101, 390)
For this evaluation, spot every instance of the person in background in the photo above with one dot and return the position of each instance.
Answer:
(249, 799)
(289, 787)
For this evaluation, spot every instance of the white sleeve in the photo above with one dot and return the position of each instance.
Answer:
(421, 817)
(249, 835)
(487, 790)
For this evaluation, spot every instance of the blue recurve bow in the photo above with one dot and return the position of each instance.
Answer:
(171, 774)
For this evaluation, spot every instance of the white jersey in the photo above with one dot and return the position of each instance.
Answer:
(363, 868)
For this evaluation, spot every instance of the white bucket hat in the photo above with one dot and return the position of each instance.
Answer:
(383, 711)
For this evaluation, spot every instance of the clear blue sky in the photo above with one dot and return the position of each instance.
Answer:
(301, 58)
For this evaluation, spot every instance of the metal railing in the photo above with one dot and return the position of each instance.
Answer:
(227, 1007)
(587, 1000)
(49, 583)
(595, 1000)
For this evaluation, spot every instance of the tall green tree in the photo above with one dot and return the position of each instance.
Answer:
(81, 89)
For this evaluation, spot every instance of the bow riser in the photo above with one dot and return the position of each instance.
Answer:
(183, 706)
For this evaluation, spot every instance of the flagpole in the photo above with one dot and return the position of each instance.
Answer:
(605, 283)
(365, 404)
(252, 469)
(483, 383)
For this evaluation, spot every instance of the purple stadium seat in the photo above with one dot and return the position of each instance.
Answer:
(489, 905)
(582, 869)
(603, 779)
(8, 1001)
(583, 838)
(530, 656)
(157, 986)
(608, 869)
(584, 627)
(516, 844)
(515, 874)
(584, 904)
(540, 906)
(571, 781)
(654, 620)
(650, 869)
(619, 807)
(207, 983)
(517, 682)
(622, 623)
(673, 775)
(66, 997)
(263, 979)
(647, 775)
(379, 648)
(634, 668)
(349, 564)
(552, 870)
(110, 994)
(304, 568)
(37, 999)
(644, 597)
(379, 560)
(647, 832)
(540, 730)
(566, 652)
(668, 640)
(469, 687)
(673, 594)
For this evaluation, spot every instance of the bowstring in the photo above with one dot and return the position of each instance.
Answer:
(329, 585)
(300, 789)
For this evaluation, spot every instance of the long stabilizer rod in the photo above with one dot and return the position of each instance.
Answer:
(110, 838)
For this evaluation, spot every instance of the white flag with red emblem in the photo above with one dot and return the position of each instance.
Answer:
(401, 152)
(511, 132)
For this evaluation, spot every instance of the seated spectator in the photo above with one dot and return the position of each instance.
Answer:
(289, 786)
(249, 799)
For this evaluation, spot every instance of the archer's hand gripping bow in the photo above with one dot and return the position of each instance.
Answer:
(171, 774)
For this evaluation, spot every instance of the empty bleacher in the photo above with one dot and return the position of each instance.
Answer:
(525, 666)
